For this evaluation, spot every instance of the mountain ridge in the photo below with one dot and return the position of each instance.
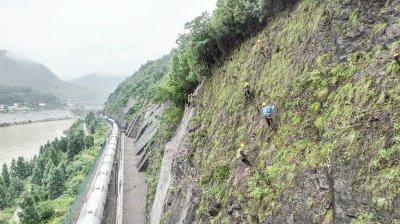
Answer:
(16, 71)
(103, 84)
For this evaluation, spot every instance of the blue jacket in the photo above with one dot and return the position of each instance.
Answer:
(268, 111)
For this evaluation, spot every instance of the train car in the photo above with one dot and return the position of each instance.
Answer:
(93, 208)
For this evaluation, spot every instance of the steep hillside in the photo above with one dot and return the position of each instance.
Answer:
(102, 84)
(333, 155)
(18, 72)
(131, 94)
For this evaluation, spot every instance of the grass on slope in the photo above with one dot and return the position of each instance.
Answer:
(324, 108)
(141, 86)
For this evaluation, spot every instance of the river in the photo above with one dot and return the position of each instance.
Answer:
(25, 139)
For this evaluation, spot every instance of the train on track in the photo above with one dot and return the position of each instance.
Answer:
(93, 207)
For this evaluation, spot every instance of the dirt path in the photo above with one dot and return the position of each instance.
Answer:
(15, 217)
(134, 186)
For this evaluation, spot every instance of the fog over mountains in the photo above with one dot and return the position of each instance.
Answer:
(103, 84)
(16, 71)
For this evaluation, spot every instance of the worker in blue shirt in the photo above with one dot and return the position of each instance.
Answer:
(267, 112)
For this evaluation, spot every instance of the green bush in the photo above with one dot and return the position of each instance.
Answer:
(221, 173)
(212, 38)
(170, 121)
(45, 186)
(142, 86)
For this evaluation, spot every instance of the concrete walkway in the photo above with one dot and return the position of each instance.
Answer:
(134, 186)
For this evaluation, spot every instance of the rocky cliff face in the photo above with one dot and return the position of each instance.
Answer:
(333, 157)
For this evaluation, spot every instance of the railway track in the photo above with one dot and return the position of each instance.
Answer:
(95, 201)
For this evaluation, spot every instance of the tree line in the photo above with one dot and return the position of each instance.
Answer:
(50, 174)
(210, 39)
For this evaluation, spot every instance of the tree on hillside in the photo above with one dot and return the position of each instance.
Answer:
(63, 144)
(92, 129)
(3, 194)
(89, 142)
(90, 117)
(8, 195)
(22, 168)
(49, 167)
(30, 213)
(38, 171)
(210, 39)
(12, 167)
(54, 155)
(75, 144)
(16, 187)
(6, 175)
(56, 181)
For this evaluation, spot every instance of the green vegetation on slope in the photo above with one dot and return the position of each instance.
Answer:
(141, 87)
(46, 186)
(330, 71)
(210, 39)
(336, 111)
(25, 96)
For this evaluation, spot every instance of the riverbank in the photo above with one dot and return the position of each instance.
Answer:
(2, 125)
(62, 188)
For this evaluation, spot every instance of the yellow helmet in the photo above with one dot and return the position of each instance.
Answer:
(264, 104)
(242, 145)
(246, 84)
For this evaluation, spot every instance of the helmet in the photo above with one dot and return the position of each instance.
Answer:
(246, 84)
(264, 104)
(242, 145)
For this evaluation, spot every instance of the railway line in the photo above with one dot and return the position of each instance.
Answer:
(117, 194)
(94, 204)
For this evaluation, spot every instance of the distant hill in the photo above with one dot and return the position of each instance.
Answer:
(18, 72)
(27, 96)
(102, 84)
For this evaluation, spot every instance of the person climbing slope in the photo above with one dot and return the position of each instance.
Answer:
(261, 47)
(191, 100)
(397, 57)
(247, 92)
(241, 155)
(267, 112)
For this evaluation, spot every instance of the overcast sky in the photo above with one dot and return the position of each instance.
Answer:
(78, 37)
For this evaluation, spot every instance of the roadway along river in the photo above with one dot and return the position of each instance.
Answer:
(25, 140)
